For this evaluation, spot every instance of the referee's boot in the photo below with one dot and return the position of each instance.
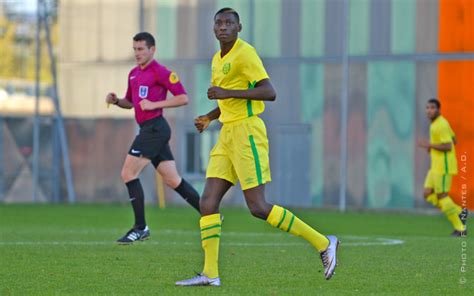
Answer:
(134, 234)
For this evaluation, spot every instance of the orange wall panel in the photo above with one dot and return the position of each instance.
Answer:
(456, 89)
(456, 93)
(456, 26)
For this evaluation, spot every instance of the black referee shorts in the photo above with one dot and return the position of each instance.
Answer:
(152, 141)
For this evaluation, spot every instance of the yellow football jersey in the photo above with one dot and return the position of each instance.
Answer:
(241, 68)
(442, 162)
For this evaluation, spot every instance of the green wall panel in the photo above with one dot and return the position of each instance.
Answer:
(267, 37)
(312, 28)
(202, 78)
(359, 27)
(312, 107)
(166, 29)
(390, 137)
(403, 29)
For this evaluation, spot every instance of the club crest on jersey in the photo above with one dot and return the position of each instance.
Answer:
(226, 68)
(143, 91)
(174, 78)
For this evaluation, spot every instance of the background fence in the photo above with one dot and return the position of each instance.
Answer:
(352, 79)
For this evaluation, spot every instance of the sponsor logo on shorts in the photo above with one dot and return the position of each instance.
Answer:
(137, 152)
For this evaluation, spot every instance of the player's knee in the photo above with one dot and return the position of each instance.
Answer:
(172, 181)
(259, 210)
(127, 176)
(207, 207)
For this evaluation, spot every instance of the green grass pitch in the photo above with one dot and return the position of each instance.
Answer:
(70, 250)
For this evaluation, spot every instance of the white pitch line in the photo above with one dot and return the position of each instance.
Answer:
(376, 242)
(113, 231)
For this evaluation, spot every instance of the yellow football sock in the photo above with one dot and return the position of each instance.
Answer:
(287, 221)
(433, 199)
(451, 211)
(210, 238)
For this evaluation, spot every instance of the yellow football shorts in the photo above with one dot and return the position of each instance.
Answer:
(241, 154)
(440, 183)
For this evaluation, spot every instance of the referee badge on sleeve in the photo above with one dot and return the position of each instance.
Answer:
(143, 91)
(174, 78)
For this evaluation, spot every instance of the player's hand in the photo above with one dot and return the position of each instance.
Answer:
(201, 123)
(215, 92)
(111, 98)
(147, 105)
(424, 144)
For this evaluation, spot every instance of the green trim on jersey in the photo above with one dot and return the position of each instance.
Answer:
(249, 102)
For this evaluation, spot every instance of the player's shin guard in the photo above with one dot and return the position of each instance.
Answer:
(451, 211)
(433, 199)
(188, 193)
(137, 199)
(285, 220)
(210, 238)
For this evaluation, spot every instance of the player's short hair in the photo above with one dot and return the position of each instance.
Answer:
(229, 10)
(436, 102)
(147, 37)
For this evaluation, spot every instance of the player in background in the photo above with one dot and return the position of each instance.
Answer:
(441, 147)
(148, 84)
(240, 86)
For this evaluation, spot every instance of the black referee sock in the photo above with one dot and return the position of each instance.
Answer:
(137, 198)
(188, 193)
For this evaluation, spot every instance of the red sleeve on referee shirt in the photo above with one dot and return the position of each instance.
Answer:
(128, 94)
(170, 80)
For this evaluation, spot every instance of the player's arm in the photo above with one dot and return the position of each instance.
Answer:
(112, 99)
(202, 122)
(171, 82)
(263, 91)
(446, 138)
(175, 101)
(440, 147)
(214, 114)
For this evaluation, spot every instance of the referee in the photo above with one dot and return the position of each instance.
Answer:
(148, 84)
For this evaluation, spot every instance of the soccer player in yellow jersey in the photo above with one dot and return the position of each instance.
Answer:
(240, 84)
(443, 167)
